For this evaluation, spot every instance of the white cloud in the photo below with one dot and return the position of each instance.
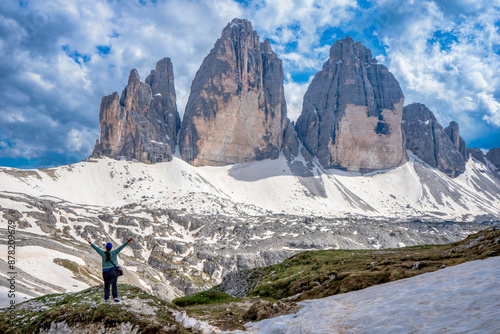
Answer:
(492, 106)
(455, 74)
(294, 94)
(42, 87)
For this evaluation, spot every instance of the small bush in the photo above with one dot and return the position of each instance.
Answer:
(205, 297)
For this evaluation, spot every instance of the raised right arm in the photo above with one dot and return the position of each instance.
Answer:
(97, 249)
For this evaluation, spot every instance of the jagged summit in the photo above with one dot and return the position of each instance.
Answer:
(236, 110)
(352, 110)
(430, 142)
(142, 123)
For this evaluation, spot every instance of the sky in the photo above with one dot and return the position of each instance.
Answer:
(58, 58)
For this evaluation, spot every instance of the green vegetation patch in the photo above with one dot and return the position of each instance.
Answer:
(205, 297)
(146, 312)
(318, 274)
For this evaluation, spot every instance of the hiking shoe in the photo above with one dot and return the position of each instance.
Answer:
(106, 300)
(117, 300)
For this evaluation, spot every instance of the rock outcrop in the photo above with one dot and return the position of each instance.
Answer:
(453, 132)
(236, 110)
(290, 142)
(430, 142)
(142, 123)
(493, 156)
(352, 111)
(477, 154)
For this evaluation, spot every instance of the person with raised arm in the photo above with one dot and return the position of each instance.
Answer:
(110, 267)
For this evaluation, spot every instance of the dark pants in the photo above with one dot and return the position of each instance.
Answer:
(110, 277)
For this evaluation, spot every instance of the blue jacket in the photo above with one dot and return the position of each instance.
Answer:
(108, 265)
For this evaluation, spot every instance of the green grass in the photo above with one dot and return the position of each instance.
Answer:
(205, 297)
(317, 274)
(87, 307)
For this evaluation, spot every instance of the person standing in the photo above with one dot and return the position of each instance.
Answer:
(109, 265)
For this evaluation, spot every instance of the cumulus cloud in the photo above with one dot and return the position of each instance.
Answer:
(294, 93)
(59, 58)
(449, 61)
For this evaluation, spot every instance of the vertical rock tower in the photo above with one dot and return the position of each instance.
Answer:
(352, 111)
(427, 139)
(236, 110)
(143, 123)
(454, 133)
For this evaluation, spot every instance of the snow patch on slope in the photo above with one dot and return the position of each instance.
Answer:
(267, 186)
(463, 298)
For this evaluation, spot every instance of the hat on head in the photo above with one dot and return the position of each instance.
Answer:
(109, 245)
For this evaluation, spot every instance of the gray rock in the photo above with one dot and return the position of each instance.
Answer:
(143, 122)
(493, 156)
(290, 142)
(239, 283)
(477, 154)
(453, 132)
(236, 110)
(427, 140)
(352, 110)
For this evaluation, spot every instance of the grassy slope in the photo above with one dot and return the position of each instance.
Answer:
(318, 274)
(307, 275)
(146, 312)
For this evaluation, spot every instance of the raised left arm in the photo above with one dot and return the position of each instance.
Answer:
(119, 249)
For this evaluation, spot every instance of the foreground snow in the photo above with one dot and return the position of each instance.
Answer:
(459, 299)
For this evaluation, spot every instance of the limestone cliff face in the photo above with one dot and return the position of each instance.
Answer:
(236, 110)
(430, 142)
(143, 123)
(454, 133)
(352, 111)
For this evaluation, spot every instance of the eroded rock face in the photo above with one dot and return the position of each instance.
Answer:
(477, 154)
(493, 156)
(454, 133)
(236, 110)
(430, 142)
(142, 123)
(290, 142)
(351, 114)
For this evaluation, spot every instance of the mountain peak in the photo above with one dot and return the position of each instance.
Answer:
(352, 110)
(133, 76)
(142, 125)
(236, 110)
(346, 48)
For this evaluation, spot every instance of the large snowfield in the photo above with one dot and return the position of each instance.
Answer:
(260, 187)
(459, 299)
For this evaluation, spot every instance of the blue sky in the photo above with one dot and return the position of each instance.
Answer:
(58, 59)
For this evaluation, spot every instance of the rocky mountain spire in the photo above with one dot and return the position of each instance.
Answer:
(352, 110)
(454, 133)
(428, 141)
(143, 123)
(236, 110)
